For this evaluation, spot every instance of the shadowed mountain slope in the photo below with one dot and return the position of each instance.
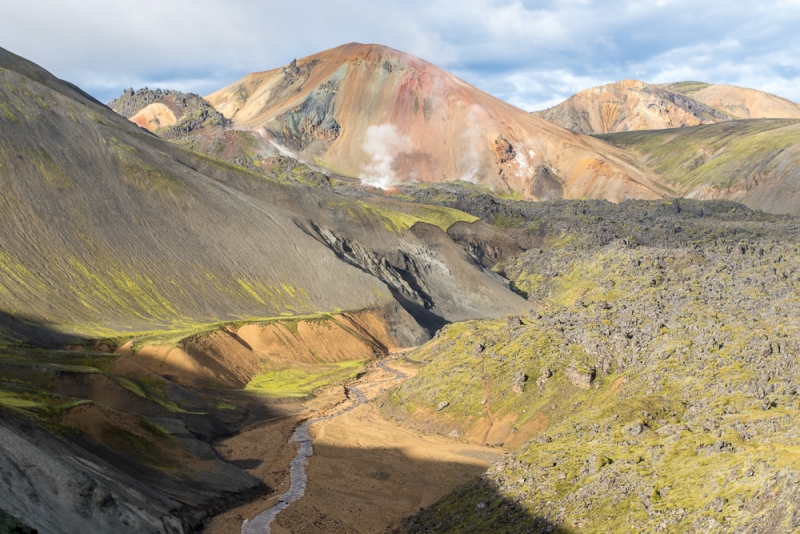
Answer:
(740, 102)
(107, 228)
(372, 112)
(630, 105)
(756, 162)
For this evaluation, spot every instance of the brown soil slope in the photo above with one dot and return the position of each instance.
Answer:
(631, 105)
(230, 357)
(387, 117)
(155, 116)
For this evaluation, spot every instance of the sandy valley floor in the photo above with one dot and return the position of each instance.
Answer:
(366, 474)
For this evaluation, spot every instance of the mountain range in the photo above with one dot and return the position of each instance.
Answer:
(119, 243)
(633, 105)
(371, 115)
(167, 259)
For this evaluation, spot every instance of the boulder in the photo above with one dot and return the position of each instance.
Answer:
(518, 382)
(581, 379)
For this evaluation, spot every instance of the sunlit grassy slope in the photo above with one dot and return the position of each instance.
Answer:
(752, 161)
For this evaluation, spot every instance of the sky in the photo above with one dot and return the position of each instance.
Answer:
(533, 54)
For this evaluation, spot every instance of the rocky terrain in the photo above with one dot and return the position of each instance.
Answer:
(175, 298)
(631, 105)
(653, 389)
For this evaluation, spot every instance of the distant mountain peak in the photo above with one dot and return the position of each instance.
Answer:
(630, 105)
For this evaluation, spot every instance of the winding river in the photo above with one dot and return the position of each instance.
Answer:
(297, 472)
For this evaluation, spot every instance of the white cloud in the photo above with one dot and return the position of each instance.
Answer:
(531, 53)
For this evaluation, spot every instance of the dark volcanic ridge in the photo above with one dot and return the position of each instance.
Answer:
(175, 113)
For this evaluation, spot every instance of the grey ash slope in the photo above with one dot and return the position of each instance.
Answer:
(105, 227)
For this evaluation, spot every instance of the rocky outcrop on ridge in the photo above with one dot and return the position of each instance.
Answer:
(174, 112)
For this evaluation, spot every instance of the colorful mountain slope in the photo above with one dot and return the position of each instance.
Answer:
(106, 228)
(630, 105)
(388, 117)
(740, 102)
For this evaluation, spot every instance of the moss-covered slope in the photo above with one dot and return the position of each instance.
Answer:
(755, 162)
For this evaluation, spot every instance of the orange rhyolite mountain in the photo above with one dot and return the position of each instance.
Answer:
(387, 117)
(741, 102)
(154, 116)
(630, 105)
(633, 105)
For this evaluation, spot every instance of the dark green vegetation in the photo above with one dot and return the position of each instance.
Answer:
(109, 233)
(654, 389)
(756, 162)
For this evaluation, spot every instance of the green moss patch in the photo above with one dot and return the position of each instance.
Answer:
(297, 382)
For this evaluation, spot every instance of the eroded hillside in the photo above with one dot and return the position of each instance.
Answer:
(387, 117)
(740, 102)
(631, 105)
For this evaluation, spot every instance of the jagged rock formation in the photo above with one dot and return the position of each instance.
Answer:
(173, 112)
(739, 102)
(372, 112)
(631, 105)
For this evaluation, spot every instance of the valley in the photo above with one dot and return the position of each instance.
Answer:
(357, 482)
(355, 294)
